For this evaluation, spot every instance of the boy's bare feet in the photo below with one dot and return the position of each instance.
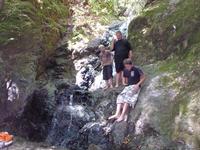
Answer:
(105, 88)
(121, 118)
(113, 117)
(126, 118)
(116, 85)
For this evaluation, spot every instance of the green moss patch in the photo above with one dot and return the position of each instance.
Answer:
(30, 17)
(165, 30)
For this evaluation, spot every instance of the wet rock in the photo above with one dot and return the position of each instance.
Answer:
(93, 45)
(78, 119)
(105, 102)
(119, 133)
(115, 25)
(74, 110)
(98, 83)
(86, 71)
(73, 94)
(23, 144)
(34, 123)
(67, 122)
(112, 29)
(60, 65)
(96, 135)
(94, 147)
(83, 49)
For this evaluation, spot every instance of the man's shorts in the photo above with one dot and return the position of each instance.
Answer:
(128, 95)
(119, 66)
(107, 72)
(119, 63)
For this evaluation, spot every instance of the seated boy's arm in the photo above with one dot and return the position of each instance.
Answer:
(142, 79)
(124, 79)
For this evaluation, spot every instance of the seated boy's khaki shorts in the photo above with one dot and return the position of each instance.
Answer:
(128, 95)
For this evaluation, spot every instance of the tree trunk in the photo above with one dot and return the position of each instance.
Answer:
(1, 4)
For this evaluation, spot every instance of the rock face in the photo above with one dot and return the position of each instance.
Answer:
(27, 42)
(17, 77)
(34, 123)
(159, 35)
(60, 66)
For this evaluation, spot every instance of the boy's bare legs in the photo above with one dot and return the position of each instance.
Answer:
(118, 111)
(110, 82)
(124, 112)
(107, 84)
(118, 78)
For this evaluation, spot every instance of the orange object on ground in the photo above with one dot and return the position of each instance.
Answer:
(5, 137)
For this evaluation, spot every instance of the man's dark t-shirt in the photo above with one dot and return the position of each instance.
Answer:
(121, 49)
(133, 75)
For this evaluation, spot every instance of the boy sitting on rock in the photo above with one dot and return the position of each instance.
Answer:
(134, 77)
(106, 61)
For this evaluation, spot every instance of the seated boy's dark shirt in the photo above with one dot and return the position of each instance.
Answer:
(133, 75)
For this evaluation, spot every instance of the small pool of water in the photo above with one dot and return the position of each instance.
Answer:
(22, 144)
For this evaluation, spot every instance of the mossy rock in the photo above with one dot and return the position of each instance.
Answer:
(164, 30)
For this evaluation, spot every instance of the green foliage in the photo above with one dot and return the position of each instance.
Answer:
(154, 11)
(165, 30)
(104, 8)
(40, 18)
(14, 19)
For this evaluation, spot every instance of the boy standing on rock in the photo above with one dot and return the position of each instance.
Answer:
(106, 61)
(134, 78)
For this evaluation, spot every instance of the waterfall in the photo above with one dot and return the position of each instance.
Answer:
(13, 90)
(71, 98)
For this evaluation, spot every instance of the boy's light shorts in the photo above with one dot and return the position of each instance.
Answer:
(128, 95)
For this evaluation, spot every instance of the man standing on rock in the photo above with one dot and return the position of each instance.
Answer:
(122, 50)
